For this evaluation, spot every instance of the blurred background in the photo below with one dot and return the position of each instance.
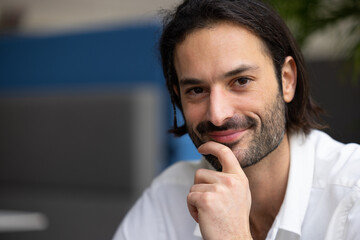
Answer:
(84, 110)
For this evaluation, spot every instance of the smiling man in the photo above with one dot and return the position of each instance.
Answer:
(229, 92)
(236, 74)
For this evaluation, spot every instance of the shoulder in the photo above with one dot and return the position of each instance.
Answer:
(161, 212)
(335, 162)
(335, 194)
(327, 147)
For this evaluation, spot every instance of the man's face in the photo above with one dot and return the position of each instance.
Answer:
(229, 92)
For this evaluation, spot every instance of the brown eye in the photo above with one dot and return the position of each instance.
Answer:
(242, 81)
(195, 90)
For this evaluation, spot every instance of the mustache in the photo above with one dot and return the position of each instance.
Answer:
(235, 122)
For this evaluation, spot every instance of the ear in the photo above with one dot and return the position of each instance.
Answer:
(289, 79)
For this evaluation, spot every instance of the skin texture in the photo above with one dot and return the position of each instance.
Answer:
(234, 112)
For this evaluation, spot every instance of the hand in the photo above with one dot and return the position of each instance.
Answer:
(220, 201)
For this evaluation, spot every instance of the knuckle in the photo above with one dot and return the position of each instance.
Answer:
(199, 173)
(193, 188)
(189, 197)
(224, 149)
(218, 188)
(192, 198)
(245, 181)
(230, 181)
(206, 199)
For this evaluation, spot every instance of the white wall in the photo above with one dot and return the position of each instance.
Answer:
(54, 16)
(63, 15)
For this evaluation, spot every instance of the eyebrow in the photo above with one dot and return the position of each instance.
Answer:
(189, 81)
(242, 68)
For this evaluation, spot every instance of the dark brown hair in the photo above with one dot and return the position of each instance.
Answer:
(302, 114)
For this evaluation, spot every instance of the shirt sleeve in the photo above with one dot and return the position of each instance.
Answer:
(345, 223)
(161, 213)
(352, 230)
(142, 221)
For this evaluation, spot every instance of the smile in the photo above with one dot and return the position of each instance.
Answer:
(227, 136)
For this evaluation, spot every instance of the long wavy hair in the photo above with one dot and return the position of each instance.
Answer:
(302, 114)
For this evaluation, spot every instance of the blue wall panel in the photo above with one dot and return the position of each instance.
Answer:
(117, 56)
(124, 56)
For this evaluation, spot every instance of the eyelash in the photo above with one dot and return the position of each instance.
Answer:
(191, 91)
(237, 81)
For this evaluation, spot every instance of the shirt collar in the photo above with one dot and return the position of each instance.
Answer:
(292, 212)
(293, 208)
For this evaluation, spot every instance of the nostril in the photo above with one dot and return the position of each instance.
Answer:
(220, 108)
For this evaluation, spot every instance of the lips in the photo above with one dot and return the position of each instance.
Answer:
(227, 136)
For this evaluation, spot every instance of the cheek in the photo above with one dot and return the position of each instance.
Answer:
(254, 106)
(262, 98)
(249, 104)
(194, 113)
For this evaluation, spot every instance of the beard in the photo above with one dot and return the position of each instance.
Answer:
(267, 134)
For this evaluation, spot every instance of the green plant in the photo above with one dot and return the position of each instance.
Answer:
(306, 17)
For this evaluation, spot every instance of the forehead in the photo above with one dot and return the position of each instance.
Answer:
(219, 47)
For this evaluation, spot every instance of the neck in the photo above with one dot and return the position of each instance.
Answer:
(268, 181)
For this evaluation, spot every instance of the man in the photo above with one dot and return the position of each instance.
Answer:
(236, 74)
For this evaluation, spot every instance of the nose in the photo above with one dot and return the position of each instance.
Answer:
(220, 106)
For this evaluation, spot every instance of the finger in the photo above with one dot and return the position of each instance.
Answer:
(206, 176)
(227, 159)
(192, 199)
(204, 188)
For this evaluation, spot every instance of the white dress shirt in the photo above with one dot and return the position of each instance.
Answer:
(322, 199)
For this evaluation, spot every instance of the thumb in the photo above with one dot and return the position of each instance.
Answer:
(227, 159)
